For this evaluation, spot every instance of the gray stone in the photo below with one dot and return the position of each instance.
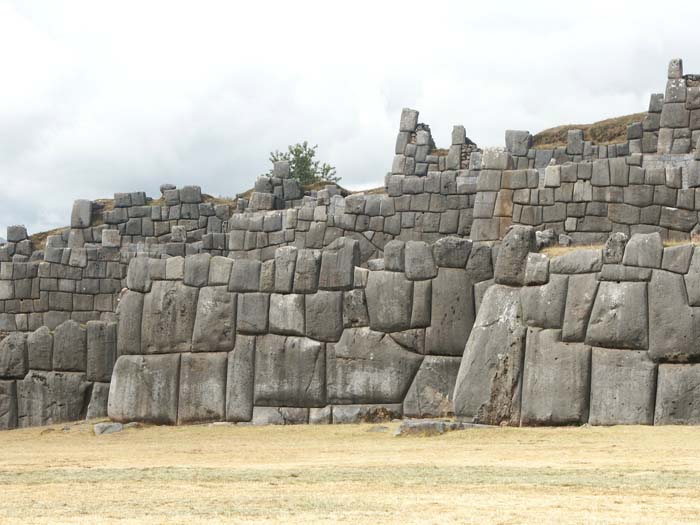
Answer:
(338, 261)
(191, 194)
(306, 271)
(543, 306)
(675, 115)
(324, 314)
(13, 356)
(419, 261)
(16, 233)
(536, 269)
(138, 277)
(480, 263)
(290, 372)
(245, 276)
(581, 292)
(46, 398)
(389, 301)
(619, 316)
(354, 311)
(409, 120)
(321, 416)
(215, 320)
(577, 261)
(40, 349)
(422, 304)
(220, 270)
(452, 252)
(285, 265)
(452, 313)
(555, 380)
(239, 380)
(81, 214)
(8, 405)
(280, 416)
(97, 407)
(677, 258)
(692, 279)
(145, 388)
(614, 248)
(169, 312)
(130, 311)
(369, 367)
(70, 347)
(644, 249)
(101, 350)
(512, 255)
(394, 256)
(678, 395)
(620, 272)
(107, 428)
(287, 314)
(623, 387)
(376, 413)
(202, 393)
(197, 269)
(252, 311)
(428, 427)
(431, 392)
(488, 383)
(518, 142)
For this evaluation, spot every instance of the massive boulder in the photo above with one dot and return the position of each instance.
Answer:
(431, 392)
(452, 312)
(169, 312)
(512, 255)
(215, 321)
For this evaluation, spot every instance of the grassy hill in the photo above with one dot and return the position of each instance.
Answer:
(608, 131)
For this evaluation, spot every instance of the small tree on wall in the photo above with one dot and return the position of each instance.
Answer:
(303, 166)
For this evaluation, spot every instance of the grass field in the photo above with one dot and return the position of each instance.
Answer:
(350, 474)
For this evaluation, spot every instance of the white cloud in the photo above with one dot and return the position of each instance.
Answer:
(100, 97)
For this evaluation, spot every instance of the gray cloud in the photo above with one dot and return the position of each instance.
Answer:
(98, 98)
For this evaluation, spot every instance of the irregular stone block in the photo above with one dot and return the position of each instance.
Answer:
(239, 380)
(692, 279)
(285, 265)
(245, 276)
(324, 314)
(614, 248)
(81, 214)
(488, 383)
(46, 398)
(197, 269)
(97, 407)
(280, 416)
(130, 312)
(452, 313)
(543, 306)
(581, 292)
(536, 269)
(512, 255)
(138, 277)
(389, 301)
(215, 321)
(556, 379)
(354, 414)
(619, 316)
(338, 261)
(518, 142)
(145, 388)
(419, 261)
(306, 271)
(623, 387)
(452, 252)
(40, 349)
(13, 356)
(431, 392)
(369, 367)
(70, 347)
(678, 395)
(169, 312)
(321, 416)
(101, 350)
(644, 249)
(8, 405)
(252, 312)
(394, 256)
(677, 258)
(220, 270)
(287, 314)
(202, 395)
(577, 261)
(290, 372)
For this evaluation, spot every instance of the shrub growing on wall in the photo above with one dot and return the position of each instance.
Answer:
(303, 165)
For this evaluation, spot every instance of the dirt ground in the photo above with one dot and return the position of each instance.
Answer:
(350, 474)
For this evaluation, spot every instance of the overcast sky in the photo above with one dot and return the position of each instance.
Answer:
(100, 97)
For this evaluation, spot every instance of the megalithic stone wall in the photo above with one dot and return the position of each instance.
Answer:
(601, 336)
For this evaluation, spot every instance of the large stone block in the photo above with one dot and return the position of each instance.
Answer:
(290, 372)
(678, 395)
(130, 312)
(13, 356)
(512, 255)
(245, 276)
(556, 380)
(145, 388)
(169, 312)
(280, 416)
(81, 214)
(324, 314)
(375, 413)
(40, 349)
(452, 312)
(432, 389)
(285, 265)
(419, 261)
(70, 347)
(197, 269)
(338, 263)
(692, 279)
(202, 395)
(369, 367)
(287, 314)
(452, 252)
(252, 313)
(623, 387)
(306, 271)
(577, 261)
(619, 316)
(581, 292)
(46, 398)
(389, 301)
(215, 321)
(8, 405)
(240, 379)
(543, 306)
(488, 383)
(101, 350)
(99, 397)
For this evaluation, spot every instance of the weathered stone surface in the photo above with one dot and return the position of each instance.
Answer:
(97, 407)
(422, 304)
(480, 263)
(101, 350)
(252, 313)
(81, 214)
(324, 314)
(452, 313)
(577, 261)
(419, 261)
(197, 269)
(543, 306)
(240, 380)
(488, 383)
(389, 301)
(287, 314)
(107, 428)
(321, 416)
(40, 349)
(452, 252)
(678, 395)
(338, 261)
(614, 248)
(378, 413)
(394, 256)
(280, 416)
(432, 389)
(644, 249)
(138, 277)
(619, 316)
(285, 265)
(369, 367)
(536, 269)
(306, 271)
(581, 292)
(215, 321)
(518, 142)
(556, 380)
(13, 356)
(674, 327)
(130, 311)
(677, 258)
(70, 347)
(169, 312)
(512, 256)
(202, 394)
(45, 398)
(245, 276)
(8, 405)
(620, 272)
(429, 427)
(692, 279)
(145, 388)
(220, 271)
(290, 372)
(623, 387)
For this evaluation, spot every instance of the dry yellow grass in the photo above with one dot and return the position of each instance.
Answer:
(608, 131)
(311, 474)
